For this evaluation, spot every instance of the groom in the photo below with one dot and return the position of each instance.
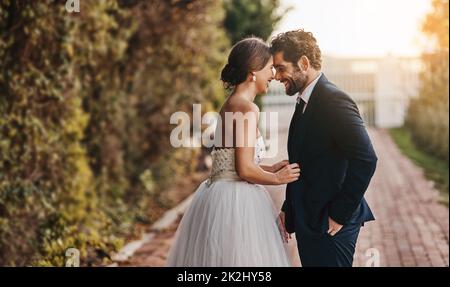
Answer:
(327, 138)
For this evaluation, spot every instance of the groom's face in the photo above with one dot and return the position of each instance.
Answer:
(289, 74)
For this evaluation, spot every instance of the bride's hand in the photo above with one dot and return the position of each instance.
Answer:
(288, 173)
(279, 165)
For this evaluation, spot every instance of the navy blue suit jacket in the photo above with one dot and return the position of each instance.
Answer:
(337, 161)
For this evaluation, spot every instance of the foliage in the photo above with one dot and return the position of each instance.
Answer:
(252, 18)
(85, 100)
(427, 117)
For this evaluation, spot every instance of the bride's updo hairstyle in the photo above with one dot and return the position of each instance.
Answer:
(247, 55)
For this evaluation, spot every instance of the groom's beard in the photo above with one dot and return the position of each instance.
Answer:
(297, 83)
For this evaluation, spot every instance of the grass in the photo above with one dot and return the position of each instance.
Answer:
(435, 169)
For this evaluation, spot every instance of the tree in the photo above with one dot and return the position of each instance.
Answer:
(251, 18)
(427, 116)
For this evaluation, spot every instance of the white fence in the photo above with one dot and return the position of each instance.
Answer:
(385, 112)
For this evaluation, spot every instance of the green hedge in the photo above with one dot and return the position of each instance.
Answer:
(85, 101)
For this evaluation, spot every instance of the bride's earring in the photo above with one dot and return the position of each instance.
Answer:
(254, 78)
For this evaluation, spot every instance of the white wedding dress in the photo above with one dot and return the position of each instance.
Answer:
(229, 222)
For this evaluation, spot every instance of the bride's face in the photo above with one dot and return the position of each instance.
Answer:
(264, 76)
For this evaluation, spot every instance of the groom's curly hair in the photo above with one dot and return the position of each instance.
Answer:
(295, 44)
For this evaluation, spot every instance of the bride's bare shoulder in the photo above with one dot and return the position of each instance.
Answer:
(240, 105)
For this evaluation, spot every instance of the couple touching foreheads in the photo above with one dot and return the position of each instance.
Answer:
(231, 220)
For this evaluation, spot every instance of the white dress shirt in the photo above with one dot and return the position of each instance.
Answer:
(306, 94)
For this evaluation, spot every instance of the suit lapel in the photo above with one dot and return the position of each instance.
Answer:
(300, 130)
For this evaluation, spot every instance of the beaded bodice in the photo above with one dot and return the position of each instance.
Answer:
(223, 161)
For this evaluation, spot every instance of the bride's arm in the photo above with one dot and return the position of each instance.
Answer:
(274, 167)
(251, 172)
(268, 168)
(247, 169)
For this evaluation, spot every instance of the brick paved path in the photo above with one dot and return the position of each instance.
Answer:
(412, 228)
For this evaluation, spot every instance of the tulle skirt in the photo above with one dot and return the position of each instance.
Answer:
(229, 223)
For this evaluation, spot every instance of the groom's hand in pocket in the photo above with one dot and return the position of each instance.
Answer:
(333, 227)
(287, 236)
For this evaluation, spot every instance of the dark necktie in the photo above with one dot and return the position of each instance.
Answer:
(297, 114)
(295, 120)
(299, 108)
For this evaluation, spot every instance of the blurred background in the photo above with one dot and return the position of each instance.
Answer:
(86, 97)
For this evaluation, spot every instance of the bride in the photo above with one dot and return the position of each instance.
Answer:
(231, 220)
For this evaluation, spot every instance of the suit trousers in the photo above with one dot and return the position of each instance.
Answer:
(324, 250)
